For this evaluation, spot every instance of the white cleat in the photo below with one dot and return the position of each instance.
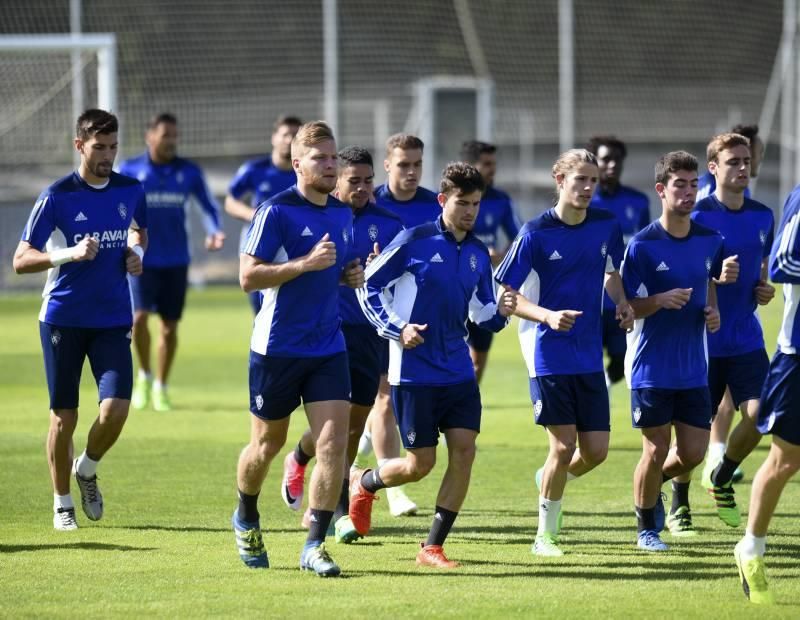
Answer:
(64, 519)
(399, 503)
(91, 498)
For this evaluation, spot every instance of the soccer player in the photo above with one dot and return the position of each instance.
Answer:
(707, 182)
(260, 179)
(737, 358)
(668, 273)
(172, 184)
(439, 273)
(632, 209)
(496, 212)
(295, 252)
(779, 413)
(560, 263)
(89, 230)
(373, 228)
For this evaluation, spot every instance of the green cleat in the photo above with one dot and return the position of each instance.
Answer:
(545, 546)
(727, 510)
(538, 478)
(680, 522)
(344, 530)
(738, 475)
(141, 392)
(161, 400)
(752, 574)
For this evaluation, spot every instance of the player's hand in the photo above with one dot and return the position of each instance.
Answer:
(410, 335)
(507, 302)
(730, 270)
(376, 249)
(215, 242)
(322, 255)
(86, 249)
(625, 315)
(562, 320)
(712, 319)
(353, 274)
(764, 292)
(675, 299)
(133, 264)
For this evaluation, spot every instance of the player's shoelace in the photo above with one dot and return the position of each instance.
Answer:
(90, 488)
(66, 517)
(251, 541)
(683, 520)
(723, 496)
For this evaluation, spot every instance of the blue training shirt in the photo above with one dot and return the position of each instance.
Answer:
(707, 185)
(91, 293)
(421, 209)
(299, 318)
(171, 189)
(746, 232)
(496, 213)
(371, 225)
(784, 268)
(668, 349)
(427, 277)
(562, 267)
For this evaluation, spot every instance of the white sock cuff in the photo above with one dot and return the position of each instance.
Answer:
(62, 501)
(87, 468)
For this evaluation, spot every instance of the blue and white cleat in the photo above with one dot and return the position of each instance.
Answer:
(650, 541)
(317, 559)
(250, 542)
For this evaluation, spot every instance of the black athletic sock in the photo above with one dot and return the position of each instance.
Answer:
(301, 457)
(343, 507)
(646, 518)
(442, 522)
(248, 507)
(723, 473)
(318, 522)
(371, 480)
(680, 495)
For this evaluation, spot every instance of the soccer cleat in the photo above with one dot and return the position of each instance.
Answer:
(433, 556)
(141, 392)
(753, 575)
(161, 402)
(91, 498)
(727, 510)
(64, 519)
(344, 530)
(399, 503)
(545, 545)
(294, 479)
(659, 514)
(250, 542)
(360, 503)
(680, 522)
(538, 479)
(318, 560)
(650, 541)
(738, 475)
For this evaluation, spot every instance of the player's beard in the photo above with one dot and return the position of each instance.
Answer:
(102, 169)
(323, 185)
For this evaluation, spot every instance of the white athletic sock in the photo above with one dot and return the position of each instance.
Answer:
(753, 546)
(716, 451)
(157, 385)
(62, 501)
(548, 515)
(87, 468)
(145, 375)
(365, 444)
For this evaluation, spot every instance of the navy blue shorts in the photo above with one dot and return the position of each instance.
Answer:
(779, 413)
(66, 348)
(613, 335)
(161, 290)
(278, 384)
(422, 411)
(658, 406)
(479, 339)
(366, 351)
(579, 400)
(743, 374)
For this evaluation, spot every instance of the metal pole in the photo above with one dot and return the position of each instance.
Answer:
(330, 36)
(787, 102)
(75, 28)
(566, 74)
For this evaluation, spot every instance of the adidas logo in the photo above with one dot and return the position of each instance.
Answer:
(662, 267)
(555, 255)
(306, 232)
(436, 258)
(81, 217)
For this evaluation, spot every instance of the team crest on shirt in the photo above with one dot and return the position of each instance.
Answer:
(264, 187)
(411, 436)
(762, 236)
(345, 235)
(259, 401)
(141, 176)
(123, 210)
(473, 262)
(179, 178)
(708, 264)
(488, 219)
(604, 249)
(637, 414)
(629, 212)
(55, 338)
(373, 232)
(537, 408)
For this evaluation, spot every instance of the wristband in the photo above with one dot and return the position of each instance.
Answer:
(61, 256)
(137, 249)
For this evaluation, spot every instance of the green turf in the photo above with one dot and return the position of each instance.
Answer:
(165, 547)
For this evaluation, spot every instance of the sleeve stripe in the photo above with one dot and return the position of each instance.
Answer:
(503, 267)
(256, 230)
(786, 262)
(33, 219)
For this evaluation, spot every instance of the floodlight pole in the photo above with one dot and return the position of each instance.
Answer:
(75, 27)
(788, 99)
(566, 74)
(330, 36)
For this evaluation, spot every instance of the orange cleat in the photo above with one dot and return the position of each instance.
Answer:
(360, 503)
(433, 555)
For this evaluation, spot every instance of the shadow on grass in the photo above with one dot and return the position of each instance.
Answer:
(199, 528)
(94, 546)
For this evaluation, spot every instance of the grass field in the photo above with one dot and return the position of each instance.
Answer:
(164, 547)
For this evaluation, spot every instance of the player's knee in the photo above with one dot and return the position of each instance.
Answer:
(331, 448)
(692, 455)
(265, 449)
(140, 320)
(463, 455)
(657, 450)
(563, 452)
(616, 368)
(169, 330)
(115, 409)
(64, 420)
(420, 467)
(594, 455)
